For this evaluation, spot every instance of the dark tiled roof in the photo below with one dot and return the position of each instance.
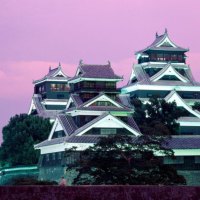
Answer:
(88, 139)
(52, 114)
(125, 100)
(37, 102)
(50, 142)
(140, 74)
(144, 79)
(83, 139)
(67, 123)
(51, 74)
(131, 122)
(99, 71)
(104, 108)
(157, 41)
(176, 142)
(184, 142)
(96, 71)
(80, 105)
(41, 110)
(77, 100)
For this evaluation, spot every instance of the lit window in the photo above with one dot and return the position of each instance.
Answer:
(174, 57)
(160, 56)
(59, 87)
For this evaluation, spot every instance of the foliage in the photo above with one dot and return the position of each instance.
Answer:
(196, 106)
(122, 159)
(157, 117)
(19, 136)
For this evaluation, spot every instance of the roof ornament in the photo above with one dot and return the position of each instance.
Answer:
(166, 31)
(108, 62)
(80, 62)
(156, 34)
(59, 65)
(49, 68)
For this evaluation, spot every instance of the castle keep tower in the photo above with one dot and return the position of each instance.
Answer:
(162, 71)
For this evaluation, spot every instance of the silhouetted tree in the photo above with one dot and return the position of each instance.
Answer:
(122, 159)
(19, 136)
(196, 106)
(157, 117)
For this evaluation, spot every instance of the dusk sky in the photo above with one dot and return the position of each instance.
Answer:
(35, 34)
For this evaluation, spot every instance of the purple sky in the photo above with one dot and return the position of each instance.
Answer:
(35, 34)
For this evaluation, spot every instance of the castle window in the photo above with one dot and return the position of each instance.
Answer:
(53, 156)
(108, 131)
(173, 57)
(102, 103)
(197, 159)
(47, 157)
(59, 155)
(153, 57)
(88, 84)
(100, 85)
(59, 87)
(176, 160)
(110, 85)
(166, 57)
(149, 95)
(180, 57)
(160, 56)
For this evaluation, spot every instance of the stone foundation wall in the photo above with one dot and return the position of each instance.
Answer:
(55, 173)
(52, 173)
(192, 177)
(99, 192)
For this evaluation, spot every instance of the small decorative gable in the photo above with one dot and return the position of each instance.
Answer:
(168, 73)
(102, 100)
(106, 121)
(166, 43)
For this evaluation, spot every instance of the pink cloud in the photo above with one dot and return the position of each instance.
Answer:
(18, 76)
(35, 34)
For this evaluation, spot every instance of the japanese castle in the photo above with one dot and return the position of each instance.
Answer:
(89, 105)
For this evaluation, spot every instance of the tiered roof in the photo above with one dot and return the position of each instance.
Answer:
(79, 105)
(73, 133)
(93, 71)
(55, 74)
(143, 78)
(187, 142)
(37, 105)
(162, 43)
